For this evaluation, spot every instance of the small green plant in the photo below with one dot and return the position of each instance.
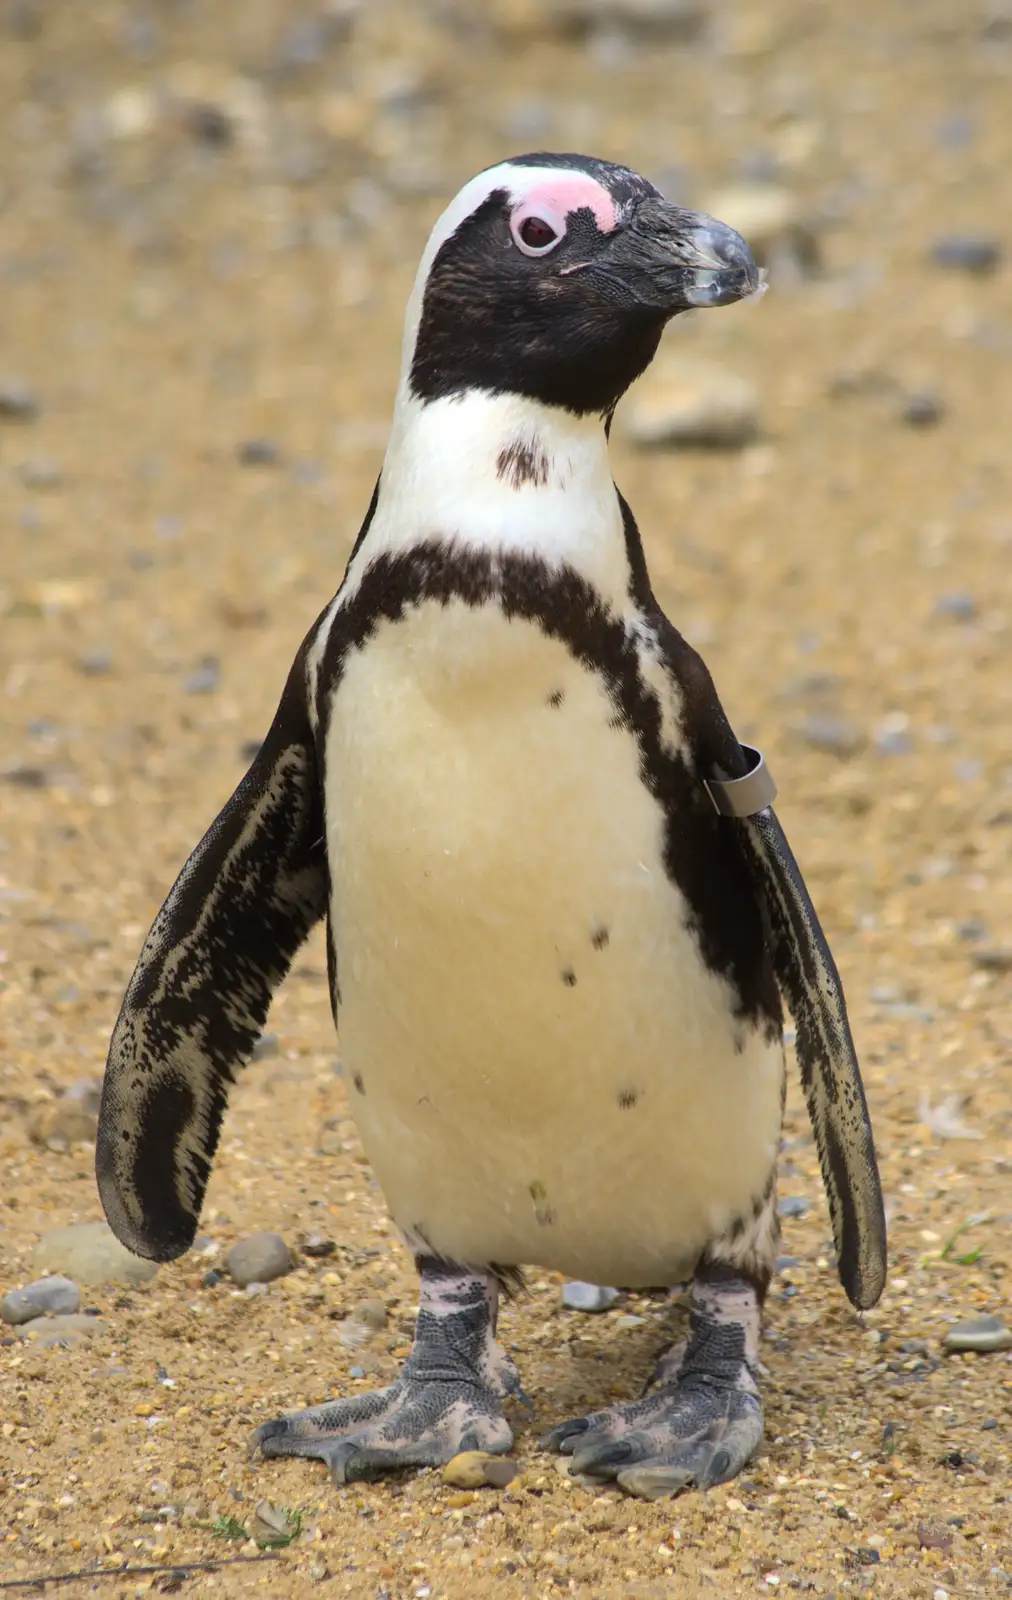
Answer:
(278, 1541)
(226, 1528)
(972, 1256)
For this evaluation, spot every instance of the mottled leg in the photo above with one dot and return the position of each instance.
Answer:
(447, 1399)
(703, 1421)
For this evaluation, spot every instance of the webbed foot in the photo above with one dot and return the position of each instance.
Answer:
(448, 1398)
(704, 1422)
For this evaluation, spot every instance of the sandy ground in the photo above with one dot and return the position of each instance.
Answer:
(209, 220)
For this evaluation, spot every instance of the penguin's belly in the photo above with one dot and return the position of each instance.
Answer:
(541, 1066)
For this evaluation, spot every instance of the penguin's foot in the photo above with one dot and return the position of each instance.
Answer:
(448, 1398)
(704, 1421)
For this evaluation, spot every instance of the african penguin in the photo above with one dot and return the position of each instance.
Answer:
(561, 912)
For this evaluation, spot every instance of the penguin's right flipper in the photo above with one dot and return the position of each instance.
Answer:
(222, 942)
(830, 1074)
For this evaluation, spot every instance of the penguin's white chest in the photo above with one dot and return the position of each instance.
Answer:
(541, 1066)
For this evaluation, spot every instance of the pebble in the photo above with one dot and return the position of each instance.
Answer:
(578, 1296)
(259, 1259)
(793, 1205)
(257, 453)
(962, 607)
(41, 473)
(17, 402)
(267, 1045)
(993, 959)
(364, 1320)
(650, 18)
(977, 254)
(55, 1295)
(985, 1334)
(773, 222)
(476, 1469)
(836, 735)
(73, 1119)
(91, 1253)
(94, 664)
(61, 1330)
(205, 679)
(317, 1246)
(923, 410)
(692, 404)
(211, 1279)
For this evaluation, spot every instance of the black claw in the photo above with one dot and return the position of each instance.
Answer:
(603, 1460)
(564, 1437)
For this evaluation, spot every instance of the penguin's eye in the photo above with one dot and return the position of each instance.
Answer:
(535, 234)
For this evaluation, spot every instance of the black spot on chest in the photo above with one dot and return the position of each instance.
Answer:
(521, 462)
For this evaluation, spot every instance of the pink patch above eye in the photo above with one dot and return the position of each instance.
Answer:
(571, 191)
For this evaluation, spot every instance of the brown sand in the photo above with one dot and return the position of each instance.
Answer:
(167, 298)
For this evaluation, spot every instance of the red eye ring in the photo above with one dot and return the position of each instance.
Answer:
(537, 234)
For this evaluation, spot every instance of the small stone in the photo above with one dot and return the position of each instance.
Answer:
(258, 453)
(960, 606)
(923, 409)
(984, 1334)
(266, 1047)
(476, 1469)
(996, 958)
(793, 1205)
(95, 664)
(259, 1259)
(977, 254)
(838, 736)
(365, 1320)
(591, 1297)
(649, 19)
(211, 1279)
(73, 1119)
(90, 1252)
(17, 402)
(772, 220)
(52, 1329)
(40, 473)
(53, 1296)
(693, 404)
(205, 679)
(932, 1536)
(318, 1247)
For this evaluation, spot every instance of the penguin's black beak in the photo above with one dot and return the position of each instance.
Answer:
(669, 260)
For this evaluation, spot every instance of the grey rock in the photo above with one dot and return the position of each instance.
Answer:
(923, 410)
(692, 404)
(90, 1253)
(962, 607)
(41, 473)
(53, 1296)
(17, 402)
(679, 19)
(259, 1259)
(793, 1205)
(258, 453)
(983, 1334)
(61, 1330)
(205, 679)
(265, 1048)
(365, 1320)
(995, 958)
(977, 254)
(836, 735)
(73, 1119)
(591, 1297)
(317, 1246)
(94, 664)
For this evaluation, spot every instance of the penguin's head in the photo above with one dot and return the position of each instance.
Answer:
(552, 277)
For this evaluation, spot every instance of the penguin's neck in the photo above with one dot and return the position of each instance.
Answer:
(504, 474)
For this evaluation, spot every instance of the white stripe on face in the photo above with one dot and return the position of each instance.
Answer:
(556, 188)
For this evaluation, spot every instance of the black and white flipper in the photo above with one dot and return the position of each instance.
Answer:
(222, 942)
(830, 1074)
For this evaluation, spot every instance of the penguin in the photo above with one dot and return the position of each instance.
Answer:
(562, 917)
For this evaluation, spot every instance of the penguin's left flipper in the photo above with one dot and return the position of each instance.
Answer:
(830, 1074)
(703, 1422)
(222, 942)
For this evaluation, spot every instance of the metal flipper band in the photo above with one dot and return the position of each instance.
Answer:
(743, 797)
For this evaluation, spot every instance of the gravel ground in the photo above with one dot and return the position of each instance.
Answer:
(209, 221)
